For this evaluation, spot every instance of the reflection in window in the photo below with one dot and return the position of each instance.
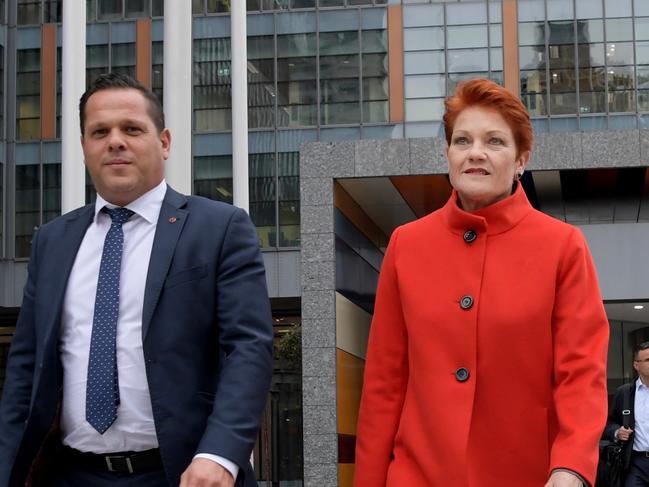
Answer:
(289, 198)
(51, 191)
(339, 80)
(261, 174)
(28, 99)
(29, 12)
(122, 59)
(375, 76)
(157, 56)
(533, 90)
(27, 206)
(261, 87)
(96, 62)
(53, 11)
(109, 9)
(137, 8)
(296, 80)
(212, 85)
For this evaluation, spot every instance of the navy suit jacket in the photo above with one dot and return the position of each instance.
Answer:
(206, 331)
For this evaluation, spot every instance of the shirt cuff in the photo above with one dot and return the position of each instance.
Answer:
(229, 465)
(583, 480)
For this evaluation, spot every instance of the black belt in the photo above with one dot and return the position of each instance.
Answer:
(641, 453)
(122, 462)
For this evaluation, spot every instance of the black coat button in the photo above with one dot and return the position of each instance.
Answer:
(462, 374)
(466, 302)
(470, 236)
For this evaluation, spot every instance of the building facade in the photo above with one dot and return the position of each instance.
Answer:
(345, 100)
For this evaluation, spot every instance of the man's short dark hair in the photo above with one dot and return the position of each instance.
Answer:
(638, 348)
(109, 81)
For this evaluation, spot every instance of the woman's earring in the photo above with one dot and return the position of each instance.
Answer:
(519, 174)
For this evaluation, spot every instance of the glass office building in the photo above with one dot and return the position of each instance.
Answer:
(339, 71)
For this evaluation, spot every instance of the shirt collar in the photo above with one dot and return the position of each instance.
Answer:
(494, 219)
(639, 384)
(147, 206)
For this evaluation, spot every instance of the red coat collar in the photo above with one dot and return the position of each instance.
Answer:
(494, 219)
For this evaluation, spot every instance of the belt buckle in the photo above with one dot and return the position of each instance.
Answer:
(109, 462)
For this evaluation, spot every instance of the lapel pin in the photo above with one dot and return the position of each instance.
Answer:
(172, 219)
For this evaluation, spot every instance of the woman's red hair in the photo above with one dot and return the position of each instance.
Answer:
(487, 94)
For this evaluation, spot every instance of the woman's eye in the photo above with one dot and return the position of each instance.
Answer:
(496, 141)
(460, 140)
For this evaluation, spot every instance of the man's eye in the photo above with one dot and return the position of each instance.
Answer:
(99, 132)
(132, 130)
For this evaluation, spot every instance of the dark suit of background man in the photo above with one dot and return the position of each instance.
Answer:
(636, 436)
(190, 356)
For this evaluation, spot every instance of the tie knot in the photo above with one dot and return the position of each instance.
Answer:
(118, 215)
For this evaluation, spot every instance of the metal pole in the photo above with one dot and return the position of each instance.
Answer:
(73, 174)
(239, 78)
(177, 96)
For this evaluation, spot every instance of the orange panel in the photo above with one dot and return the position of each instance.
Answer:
(345, 474)
(349, 384)
(510, 46)
(358, 217)
(143, 52)
(48, 81)
(423, 193)
(395, 60)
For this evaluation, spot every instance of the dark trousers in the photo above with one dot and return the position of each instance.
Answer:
(70, 476)
(638, 473)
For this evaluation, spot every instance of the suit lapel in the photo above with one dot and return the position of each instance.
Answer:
(170, 225)
(59, 264)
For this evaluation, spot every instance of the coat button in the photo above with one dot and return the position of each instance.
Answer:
(462, 374)
(470, 236)
(466, 302)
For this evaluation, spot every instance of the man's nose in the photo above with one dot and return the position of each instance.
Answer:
(116, 140)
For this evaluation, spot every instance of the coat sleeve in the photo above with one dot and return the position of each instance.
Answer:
(17, 391)
(615, 414)
(385, 379)
(245, 329)
(580, 341)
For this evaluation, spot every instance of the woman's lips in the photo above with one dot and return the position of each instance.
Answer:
(477, 172)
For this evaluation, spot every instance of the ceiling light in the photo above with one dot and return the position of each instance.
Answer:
(638, 306)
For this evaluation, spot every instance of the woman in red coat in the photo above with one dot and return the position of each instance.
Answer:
(486, 363)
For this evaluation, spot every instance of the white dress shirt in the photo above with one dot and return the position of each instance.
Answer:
(134, 428)
(641, 415)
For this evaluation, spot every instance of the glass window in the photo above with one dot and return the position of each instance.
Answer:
(618, 8)
(28, 195)
(621, 101)
(642, 28)
(96, 62)
(496, 35)
(423, 110)
(91, 10)
(619, 53)
(563, 103)
(642, 52)
(561, 32)
(592, 102)
(421, 15)
(559, 10)
(296, 80)
(331, 3)
(303, 4)
(51, 191)
(253, 5)
(28, 89)
(466, 60)
(423, 62)
(109, 9)
(496, 59)
(137, 9)
(590, 31)
(261, 170)
(620, 78)
(375, 76)
(157, 8)
(198, 7)
(531, 57)
(339, 78)
(531, 10)
(216, 6)
(589, 9)
(123, 59)
(461, 13)
(374, 41)
(642, 73)
(640, 7)
(29, 12)
(53, 10)
(212, 93)
(619, 30)
(466, 36)
(561, 56)
(425, 86)
(590, 55)
(213, 177)
(533, 87)
(289, 198)
(531, 33)
(157, 68)
(261, 82)
(423, 39)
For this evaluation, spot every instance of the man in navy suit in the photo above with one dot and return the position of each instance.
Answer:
(143, 350)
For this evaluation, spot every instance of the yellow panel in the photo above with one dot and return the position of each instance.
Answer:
(345, 474)
(349, 384)
(352, 327)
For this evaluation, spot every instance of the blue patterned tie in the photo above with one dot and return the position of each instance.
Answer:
(102, 388)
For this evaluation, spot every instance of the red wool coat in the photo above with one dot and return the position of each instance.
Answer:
(486, 363)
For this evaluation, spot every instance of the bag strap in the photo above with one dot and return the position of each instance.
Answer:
(626, 405)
